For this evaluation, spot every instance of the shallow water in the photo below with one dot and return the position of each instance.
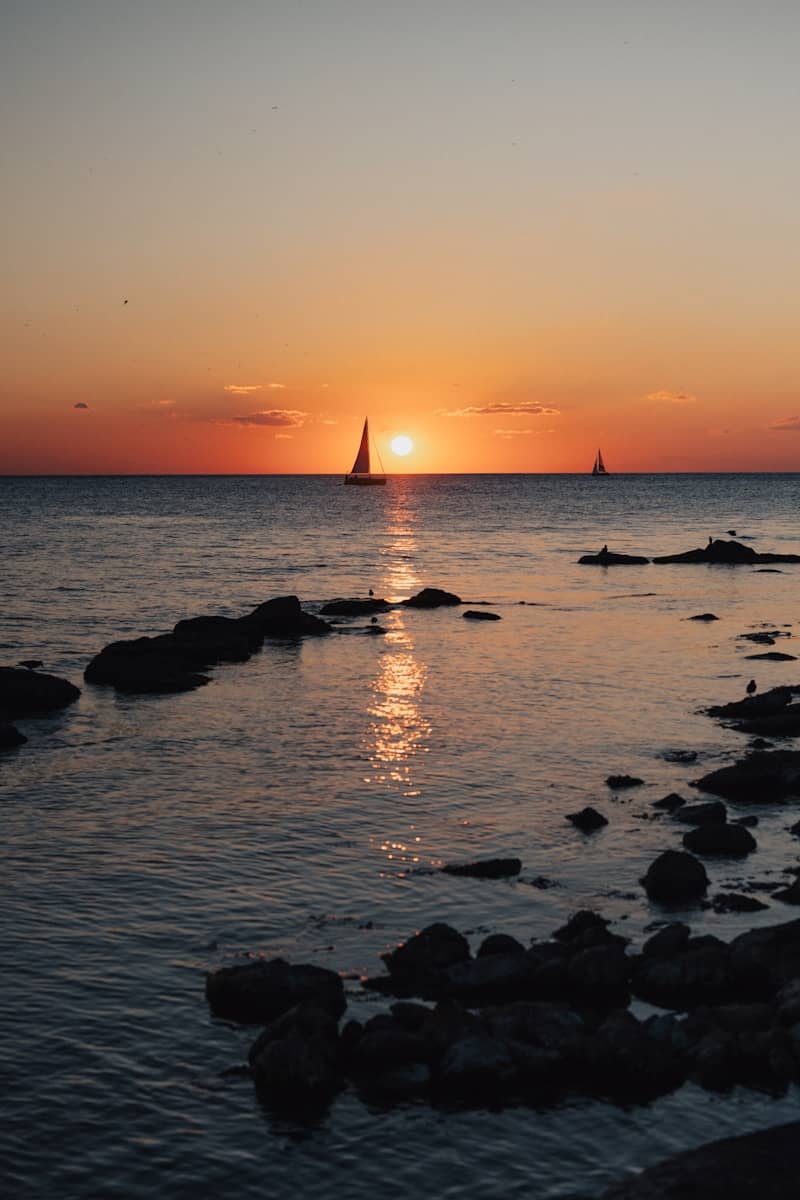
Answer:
(300, 803)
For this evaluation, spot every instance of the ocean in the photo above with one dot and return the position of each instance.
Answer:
(301, 804)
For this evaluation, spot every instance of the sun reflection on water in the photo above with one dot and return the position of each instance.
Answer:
(400, 576)
(398, 729)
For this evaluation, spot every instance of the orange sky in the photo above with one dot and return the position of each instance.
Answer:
(514, 233)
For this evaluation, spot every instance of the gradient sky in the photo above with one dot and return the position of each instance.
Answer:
(513, 230)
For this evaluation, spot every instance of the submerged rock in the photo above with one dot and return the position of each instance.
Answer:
(704, 617)
(675, 878)
(432, 598)
(10, 737)
(619, 782)
(680, 756)
(26, 693)
(669, 803)
(714, 812)
(607, 558)
(489, 868)
(773, 656)
(475, 615)
(725, 902)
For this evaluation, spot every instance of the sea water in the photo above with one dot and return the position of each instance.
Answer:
(302, 803)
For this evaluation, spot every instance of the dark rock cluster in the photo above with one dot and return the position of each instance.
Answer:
(26, 692)
(517, 1023)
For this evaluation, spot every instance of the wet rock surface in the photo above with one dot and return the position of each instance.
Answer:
(726, 553)
(587, 820)
(490, 868)
(608, 558)
(473, 614)
(432, 598)
(354, 607)
(675, 877)
(765, 776)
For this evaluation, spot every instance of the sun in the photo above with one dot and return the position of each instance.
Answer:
(401, 444)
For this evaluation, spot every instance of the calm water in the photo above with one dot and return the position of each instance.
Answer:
(299, 804)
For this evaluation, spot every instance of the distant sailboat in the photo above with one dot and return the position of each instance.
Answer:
(360, 473)
(599, 467)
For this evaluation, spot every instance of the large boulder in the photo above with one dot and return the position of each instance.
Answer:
(155, 665)
(712, 813)
(699, 973)
(675, 878)
(354, 607)
(25, 693)
(219, 639)
(432, 598)
(257, 993)
(725, 553)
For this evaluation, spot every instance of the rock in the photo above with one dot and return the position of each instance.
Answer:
(703, 617)
(499, 943)
(10, 737)
(712, 813)
(553, 1027)
(607, 558)
(158, 665)
(669, 941)
(435, 948)
(763, 960)
(627, 1063)
(675, 878)
(725, 553)
(297, 1072)
(749, 822)
(31, 663)
(588, 819)
(763, 1165)
(773, 656)
(699, 974)
(669, 803)
(394, 1084)
(474, 615)
(354, 607)
(493, 979)
(478, 1067)
(25, 693)
(259, 992)
(599, 976)
(489, 868)
(210, 640)
(795, 829)
(585, 928)
(619, 782)
(393, 1047)
(282, 617)
(719, 838)
(725, 902)
(680, 756)
(789, 895)
(432, 598)
(409, 1015)
(760, 778)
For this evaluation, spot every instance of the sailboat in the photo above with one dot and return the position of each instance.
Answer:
(360, 473)
(599, 467)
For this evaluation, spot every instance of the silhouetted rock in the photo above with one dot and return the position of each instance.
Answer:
(725, 553)
(10, 737)
(714, 812)
(432, 598)
(719, 838)
(31, 663)
(619, 782)
(763, 1165)
(434, 949)
(157, 665)
(476, 615)
(607, 558)
(700, 973)
(704, 617)
(588, 819)
(354, 607)
(766, 704)
(599, 975)
(680, 756)
(499, 943)
(489, 868)
(586, 928)
(675, 878)
(296, 1061)
(627, 1063)
(773, 656)
(282, 617)
(789, 895)
(669, 941)
(762, 777)
(210, 640)
(25, 693)
(259, 992)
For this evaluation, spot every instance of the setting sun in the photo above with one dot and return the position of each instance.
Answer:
(402, 444)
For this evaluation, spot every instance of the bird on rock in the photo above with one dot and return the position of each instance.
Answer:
(751, 687)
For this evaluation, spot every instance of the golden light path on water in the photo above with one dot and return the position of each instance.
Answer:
(398, 731)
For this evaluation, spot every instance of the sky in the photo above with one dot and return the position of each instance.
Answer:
(513, 230)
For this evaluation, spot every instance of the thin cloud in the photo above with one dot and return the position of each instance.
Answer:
(284, 437)
(786, 425)
(242, 389)
(667, 397)
(509, 433)
(277, 386)
(494, 410)
(288, 417)
(80, 404)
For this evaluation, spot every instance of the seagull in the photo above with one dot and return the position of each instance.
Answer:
(751, 687)
(371, 592)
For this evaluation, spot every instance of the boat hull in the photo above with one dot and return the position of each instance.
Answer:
(366, 480)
